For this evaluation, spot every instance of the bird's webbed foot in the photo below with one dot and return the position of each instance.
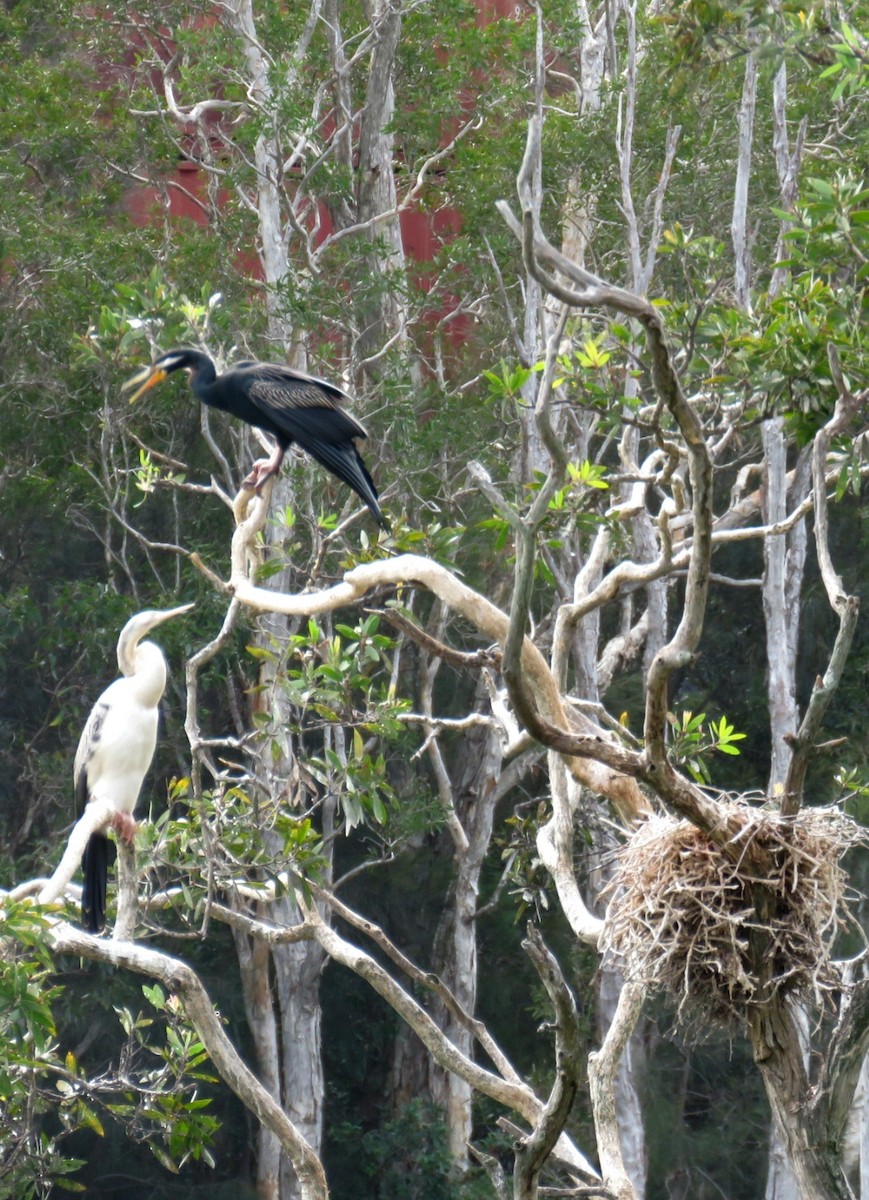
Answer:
(124, 824)
(263, 469)
(258, 475)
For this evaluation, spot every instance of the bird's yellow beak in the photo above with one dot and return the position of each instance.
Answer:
(148, 378)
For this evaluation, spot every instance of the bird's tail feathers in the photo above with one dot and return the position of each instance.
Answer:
(346, 462)
(95, 869)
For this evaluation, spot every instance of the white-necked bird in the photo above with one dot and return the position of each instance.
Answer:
(116, 748)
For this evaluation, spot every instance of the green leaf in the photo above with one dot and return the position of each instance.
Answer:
(90, 1119)
(163, 1158)
(155, 995)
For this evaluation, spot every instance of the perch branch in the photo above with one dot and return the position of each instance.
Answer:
(604, 767)
(128, 892)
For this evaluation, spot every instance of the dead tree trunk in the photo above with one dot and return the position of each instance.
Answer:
(456, 942)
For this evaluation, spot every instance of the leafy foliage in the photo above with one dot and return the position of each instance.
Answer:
(694, 738)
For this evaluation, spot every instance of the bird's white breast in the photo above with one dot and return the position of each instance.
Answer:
(123, 740)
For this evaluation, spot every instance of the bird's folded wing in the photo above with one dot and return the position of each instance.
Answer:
(345, 462)
(305, 413)
(87, 744)
(307, 388)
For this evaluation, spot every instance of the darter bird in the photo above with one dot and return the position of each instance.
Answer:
(288, 404)
(116, 748)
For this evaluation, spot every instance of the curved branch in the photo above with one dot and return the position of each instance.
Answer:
(532, 1151)
(555, 847)
(424, 979)
(602, 767)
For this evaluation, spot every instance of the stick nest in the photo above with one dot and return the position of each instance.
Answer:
(683, 914)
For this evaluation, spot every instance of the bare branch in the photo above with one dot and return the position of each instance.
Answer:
(532, 1151)
(517, 1096)
(426, 980)
(655, 767)
(454, 658)
(846, 607)
(555, 847)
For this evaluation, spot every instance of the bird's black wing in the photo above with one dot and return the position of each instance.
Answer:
(308, 412)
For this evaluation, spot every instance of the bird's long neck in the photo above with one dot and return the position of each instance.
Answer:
(148, 678)
(202, 377)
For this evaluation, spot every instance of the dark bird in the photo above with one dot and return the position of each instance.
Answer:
(288, 404)
(116, 748)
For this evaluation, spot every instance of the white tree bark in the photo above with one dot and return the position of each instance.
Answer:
(788, 160)
(253, 961)
(384, 322)
(287, 979)
(629, 1071)
(297, 971)
(855, 1148)
(602, 1074)
(739, 232)
(475, 795)
(273, 244)
(781, 619)
(297, 968)
(784, 566)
